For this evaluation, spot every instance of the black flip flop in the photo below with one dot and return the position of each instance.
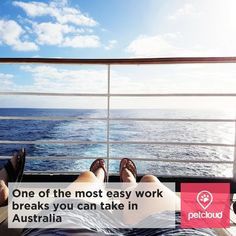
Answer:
(100, 166)
(132, 170)
(16, 175)
(13, 176)
(234, 207)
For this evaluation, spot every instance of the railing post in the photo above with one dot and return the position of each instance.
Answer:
(234, 167)
(108, 116)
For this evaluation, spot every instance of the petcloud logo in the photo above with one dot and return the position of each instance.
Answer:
(205, 205)
(204, 199)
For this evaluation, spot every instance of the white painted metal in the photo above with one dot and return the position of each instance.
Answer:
(48, 118)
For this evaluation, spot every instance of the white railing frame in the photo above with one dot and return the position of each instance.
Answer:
(108, 95)
(234, 164)
(108, 116)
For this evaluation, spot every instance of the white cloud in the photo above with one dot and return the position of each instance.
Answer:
(187, 10)
(166, 45)
(64, 36)
(52, 79)
(5, 76)
(111, 45)
(147, 46)
(70, 27)
(58, 10)
(51, 33)
(82, 41)
(6, 80)
(11, 33)
(25, 46)
(56, 79)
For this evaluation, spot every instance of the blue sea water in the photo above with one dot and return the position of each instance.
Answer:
(96, 130)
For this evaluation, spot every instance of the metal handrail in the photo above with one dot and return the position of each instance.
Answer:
(55, 158)
(47, 118)
(37, 142)
(55, 94)
(120, 94)
(122, 61)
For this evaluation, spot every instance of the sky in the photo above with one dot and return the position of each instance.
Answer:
(117, 29)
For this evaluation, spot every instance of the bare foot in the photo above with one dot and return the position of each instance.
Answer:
(98, 170)
(127, 170)
(3, 172)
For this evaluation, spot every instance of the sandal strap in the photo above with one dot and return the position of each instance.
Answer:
(105, 173)
(16, 175)
(21, 164)
(11, 172)
(100, 166)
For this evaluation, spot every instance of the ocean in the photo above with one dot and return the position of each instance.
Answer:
(96, 130)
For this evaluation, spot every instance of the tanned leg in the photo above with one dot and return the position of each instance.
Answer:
(4, 191)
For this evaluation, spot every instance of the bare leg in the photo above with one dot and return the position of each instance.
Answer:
(3, 176)
(90, 181)
(4, 191)
(150, 179)
(95, 175)
(169, 202)
(3, 172)
(90, 177)
(169, 194)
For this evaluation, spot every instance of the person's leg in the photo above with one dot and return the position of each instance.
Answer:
(151, 205)
(3, 176)
(4, 191)
(97, 173)
(91, 180)
(169, 194)
(150, 179)
(3, 172)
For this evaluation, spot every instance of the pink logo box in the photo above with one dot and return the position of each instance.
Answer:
(205, 205)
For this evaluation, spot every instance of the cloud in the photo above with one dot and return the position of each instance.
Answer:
(111, 44)
(68, 28)
(64, 36)
(54, 79)
(6, 80)
(187, 10)
(82, 41)
(166, 45)
(61, 12)
(5, 76)
(11, 34)
(51, 33)
(148, 46)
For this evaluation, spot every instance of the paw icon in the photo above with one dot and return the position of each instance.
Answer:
(205, 198)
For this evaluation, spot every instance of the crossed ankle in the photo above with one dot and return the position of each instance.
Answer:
(4, 193)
